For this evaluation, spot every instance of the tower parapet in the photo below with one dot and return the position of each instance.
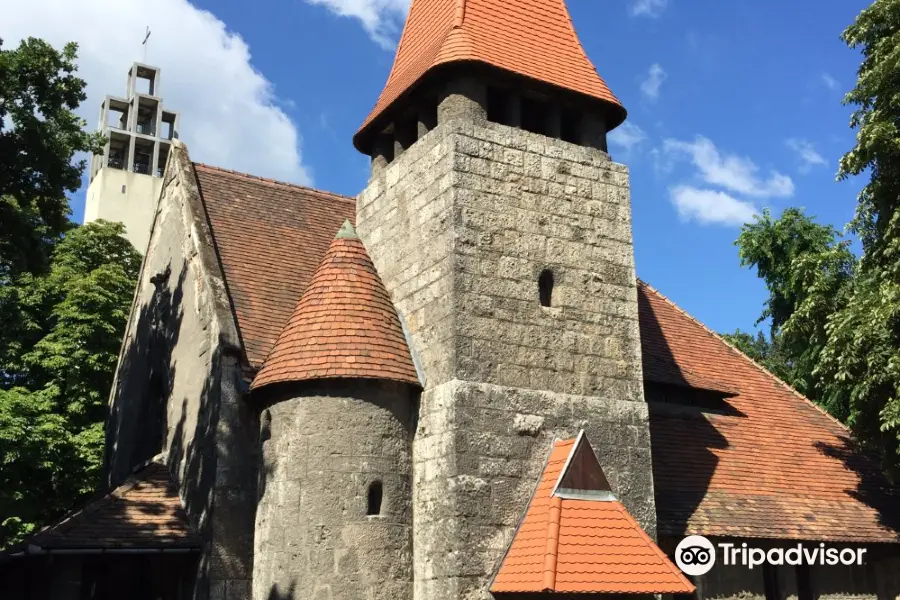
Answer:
(127, 177)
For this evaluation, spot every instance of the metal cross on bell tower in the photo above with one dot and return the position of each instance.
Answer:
(144, 43)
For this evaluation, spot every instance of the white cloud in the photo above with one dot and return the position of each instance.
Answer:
(734, 173)
(626, 136)
(710, 207)
(648, 8)
(655, 77)
(229, 113)
(830, 82)
(806, 153)
(382, 19)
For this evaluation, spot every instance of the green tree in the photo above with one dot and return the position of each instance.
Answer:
(39, 135)
(65, 292)
(762, 350)
(51, 418)
(862, 357)
(809, 272)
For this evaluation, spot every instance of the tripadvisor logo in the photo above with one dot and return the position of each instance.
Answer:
(696, 555)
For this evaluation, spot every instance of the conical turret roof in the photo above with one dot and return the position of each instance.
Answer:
(530, 38)
(344, 326)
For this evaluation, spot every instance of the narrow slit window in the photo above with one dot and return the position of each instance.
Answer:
(545, 287)
(375, 497)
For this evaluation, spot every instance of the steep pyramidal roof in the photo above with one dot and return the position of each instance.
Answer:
(344, 326)
(530, 38)
(577, 538)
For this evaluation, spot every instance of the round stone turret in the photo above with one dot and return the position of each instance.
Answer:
(338, 395)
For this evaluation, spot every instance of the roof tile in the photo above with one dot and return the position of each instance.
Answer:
(270, 237)
(143, 513)
(772, 466)
(344, 325)
(582, 546)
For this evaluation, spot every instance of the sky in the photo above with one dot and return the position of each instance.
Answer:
(733, 106)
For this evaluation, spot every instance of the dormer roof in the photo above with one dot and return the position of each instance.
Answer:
(534, 39)
(576, 537)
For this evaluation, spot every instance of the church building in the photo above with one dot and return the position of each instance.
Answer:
(452, 386)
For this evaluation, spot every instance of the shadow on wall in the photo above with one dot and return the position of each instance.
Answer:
(137, 419)
(682, 439)
(276, 594)
(209, 430)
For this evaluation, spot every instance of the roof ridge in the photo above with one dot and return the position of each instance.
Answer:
(460, 13)
(741, 354)
(269, 180)
(551, 553)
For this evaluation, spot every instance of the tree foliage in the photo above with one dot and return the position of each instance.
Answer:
(763, 350)
(53, 403)
(65, 292)
(808, 271)
(39, 135)
(862, 357)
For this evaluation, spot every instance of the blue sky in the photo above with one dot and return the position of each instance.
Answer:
(733, 106)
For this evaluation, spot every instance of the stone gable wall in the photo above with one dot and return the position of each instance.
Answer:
(177, 387)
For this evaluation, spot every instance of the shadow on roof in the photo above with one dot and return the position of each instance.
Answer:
(683, 463)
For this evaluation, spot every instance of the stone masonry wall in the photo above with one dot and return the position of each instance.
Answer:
(176, 387)
(460, 226)
(323, 447)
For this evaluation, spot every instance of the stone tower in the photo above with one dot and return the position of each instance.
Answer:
(334, 516)
(126, 179)
(502, 230)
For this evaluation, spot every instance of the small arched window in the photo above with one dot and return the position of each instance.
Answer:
(375, 497)
(545, 287)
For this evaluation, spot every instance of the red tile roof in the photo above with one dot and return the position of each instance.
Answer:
(345, 325)
(271, 237)
(574, 545)
(143, 513)
(774, 465)
(532, 38)
(771, 465)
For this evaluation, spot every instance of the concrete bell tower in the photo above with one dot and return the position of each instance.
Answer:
(502, 230)
(127, 178)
